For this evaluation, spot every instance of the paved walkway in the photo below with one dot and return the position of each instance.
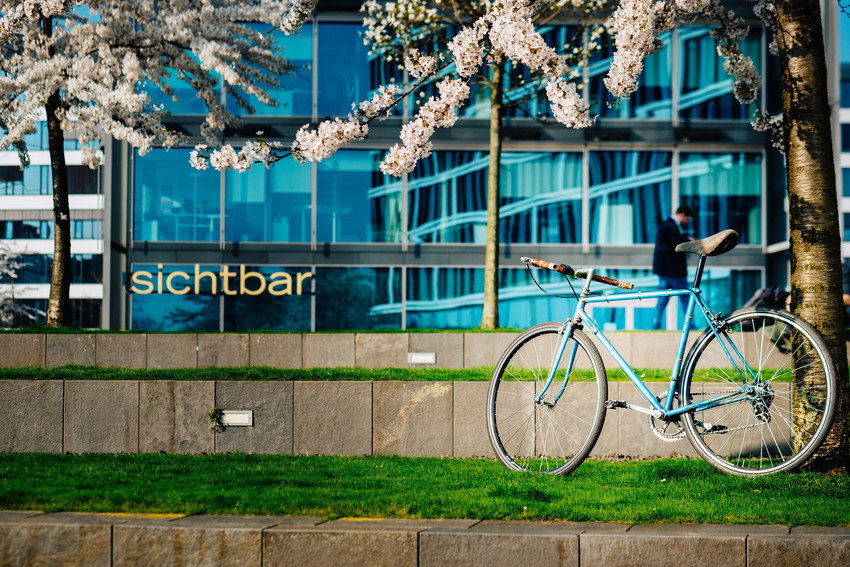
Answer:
(33, 538)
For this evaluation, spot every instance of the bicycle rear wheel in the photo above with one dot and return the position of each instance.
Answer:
(773, 412)
(553, 435)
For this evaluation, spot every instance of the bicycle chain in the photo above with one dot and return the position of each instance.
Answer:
(727, 430)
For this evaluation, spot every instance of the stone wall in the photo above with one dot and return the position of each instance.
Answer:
(328, 418)
(326, 350)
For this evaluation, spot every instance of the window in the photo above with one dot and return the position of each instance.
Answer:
(38, 180)
(269, 205)
(724, 190)
(447, 198)
(346, 72)
(358, 298)
(630, 194)
(43, 229)
(294, 94)
(845, 91)
(35, 269)
(706, 88)
(172, 201)
(355, 201)
(653, 98)
(541, 197)
(444, 298)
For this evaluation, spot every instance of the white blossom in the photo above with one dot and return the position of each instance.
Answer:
(91, 157)
(197, 159)
(324, 141)
(568, 107)
(14, 16)
(635, 24)
(512, 33)
(747, 80)
(419, 65)
(468, 49)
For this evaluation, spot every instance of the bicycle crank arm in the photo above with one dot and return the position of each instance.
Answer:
(615, 404)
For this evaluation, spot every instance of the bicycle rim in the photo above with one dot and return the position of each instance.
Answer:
(552, 436)
(785, 400)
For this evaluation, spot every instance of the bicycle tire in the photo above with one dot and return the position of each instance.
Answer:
(549, 437)
(782, 420)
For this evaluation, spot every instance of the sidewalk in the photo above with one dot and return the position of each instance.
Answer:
(64, 539)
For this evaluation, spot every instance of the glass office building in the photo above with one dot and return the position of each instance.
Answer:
(340, 246)
(26, 230)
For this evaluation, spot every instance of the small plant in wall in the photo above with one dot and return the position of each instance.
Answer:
(215, 416)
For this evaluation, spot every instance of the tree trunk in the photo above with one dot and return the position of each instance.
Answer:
(816, 282)
(60, 274)
(490, 317)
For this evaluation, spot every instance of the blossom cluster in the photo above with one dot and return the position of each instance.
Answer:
(416, 135)
(467, 48)
(100, 64)
(512, 33)
(299, 11)
(14, 17)
(636, 25)
(567, 105)
(418, 65)
(773, 126)
(254, 151)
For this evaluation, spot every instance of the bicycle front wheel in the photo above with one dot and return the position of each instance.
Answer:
(773, 383)
(555, 433)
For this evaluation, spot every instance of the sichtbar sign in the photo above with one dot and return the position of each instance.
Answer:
(227, 282)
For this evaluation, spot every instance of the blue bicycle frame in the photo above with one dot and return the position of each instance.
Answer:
(581, 318)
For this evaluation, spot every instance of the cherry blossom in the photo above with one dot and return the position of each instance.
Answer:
(506, 28)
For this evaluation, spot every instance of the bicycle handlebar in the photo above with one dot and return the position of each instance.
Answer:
(568, 271)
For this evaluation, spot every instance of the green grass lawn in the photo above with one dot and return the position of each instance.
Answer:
(287, 374)
(665, 491)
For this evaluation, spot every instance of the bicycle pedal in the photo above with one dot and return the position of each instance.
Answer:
(614, 404)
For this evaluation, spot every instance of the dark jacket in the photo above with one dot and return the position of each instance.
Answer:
(665, 261)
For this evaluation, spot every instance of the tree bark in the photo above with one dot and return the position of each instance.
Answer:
(816, 282)
(60, 273)
(490, 316)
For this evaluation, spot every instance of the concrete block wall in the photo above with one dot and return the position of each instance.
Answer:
(309, 350)
(417, 419)
(28, 538)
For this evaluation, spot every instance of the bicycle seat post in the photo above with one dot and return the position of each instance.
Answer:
(698, 274)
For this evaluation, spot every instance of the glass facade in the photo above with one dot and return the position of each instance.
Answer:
(294, 92)
(35, 269)
(552, 193)
(355, 201)
(38, 180)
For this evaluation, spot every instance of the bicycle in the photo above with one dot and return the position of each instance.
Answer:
(755, 395)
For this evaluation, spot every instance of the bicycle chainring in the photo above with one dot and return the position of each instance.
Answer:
(668, 431)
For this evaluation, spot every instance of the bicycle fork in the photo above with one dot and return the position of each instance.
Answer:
(566, 332)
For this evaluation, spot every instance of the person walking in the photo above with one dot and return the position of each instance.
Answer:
(670, 266)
